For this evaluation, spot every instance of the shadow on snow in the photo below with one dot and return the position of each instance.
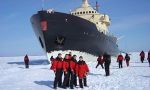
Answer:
(94, 74)
(145, 76)
(32, 62)
(45, 83)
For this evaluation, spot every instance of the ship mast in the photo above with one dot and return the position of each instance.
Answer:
(85, 3)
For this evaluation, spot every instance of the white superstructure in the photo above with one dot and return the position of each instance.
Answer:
(87, 12)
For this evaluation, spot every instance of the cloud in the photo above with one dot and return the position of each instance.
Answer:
(129, 22)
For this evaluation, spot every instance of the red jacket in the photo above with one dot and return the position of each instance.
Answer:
(73, 65)
(120, 58)
(100, 59)
(81, 69)
(66, 65)
(57, 64)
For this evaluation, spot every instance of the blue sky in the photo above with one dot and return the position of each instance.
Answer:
(130, 19)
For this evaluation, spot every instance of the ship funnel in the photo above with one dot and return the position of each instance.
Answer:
(85, 3)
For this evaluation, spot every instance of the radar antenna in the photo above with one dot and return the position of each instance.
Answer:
(97, 6)
(43, 4)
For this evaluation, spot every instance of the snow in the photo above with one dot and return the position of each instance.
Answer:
(13, 75)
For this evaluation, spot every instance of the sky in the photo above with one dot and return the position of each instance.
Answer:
(130, 21)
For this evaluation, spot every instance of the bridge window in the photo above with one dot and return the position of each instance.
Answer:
(89, 11)
(86, 12)
(83, 12)
(92, 11)
(80, 12)
(77, 12)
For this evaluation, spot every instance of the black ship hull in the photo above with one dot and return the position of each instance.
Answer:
(60, 31)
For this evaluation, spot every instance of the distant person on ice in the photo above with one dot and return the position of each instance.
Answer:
(148, 58)
(100, 61)
(26, 61)
(120, 60)
(57, 67)
(107, 61)
(127, 59)
(82, 71)
(142, 55)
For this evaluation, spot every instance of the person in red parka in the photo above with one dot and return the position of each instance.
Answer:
(67, 71)
(148, 58)
(81, 71)
(73, 77)
(100, 61)
(57, 67)
(26, 61)
(142, 55)
(120, 60)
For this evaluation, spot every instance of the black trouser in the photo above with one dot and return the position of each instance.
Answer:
(99, 64)
(71, 80)
(26, 65)
(66, 81)
(127, 62)
(82, 81)
(58, 78)
(107, 69)
(120, 64)
(75, 80)
(142, 59)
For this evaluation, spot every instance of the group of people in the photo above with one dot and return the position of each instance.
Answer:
(142, 55)
(127, 58)
(120, 59)
(71, 69)
(106, 60)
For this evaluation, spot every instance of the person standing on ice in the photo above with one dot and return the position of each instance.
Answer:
(148, 58)
(82, 71)
(127, 59)
(73, 63)
(26, 61)
(120, 60)
(100, 61)
(107, 61)
(57, 67)
(67, 71)
(142, 55)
